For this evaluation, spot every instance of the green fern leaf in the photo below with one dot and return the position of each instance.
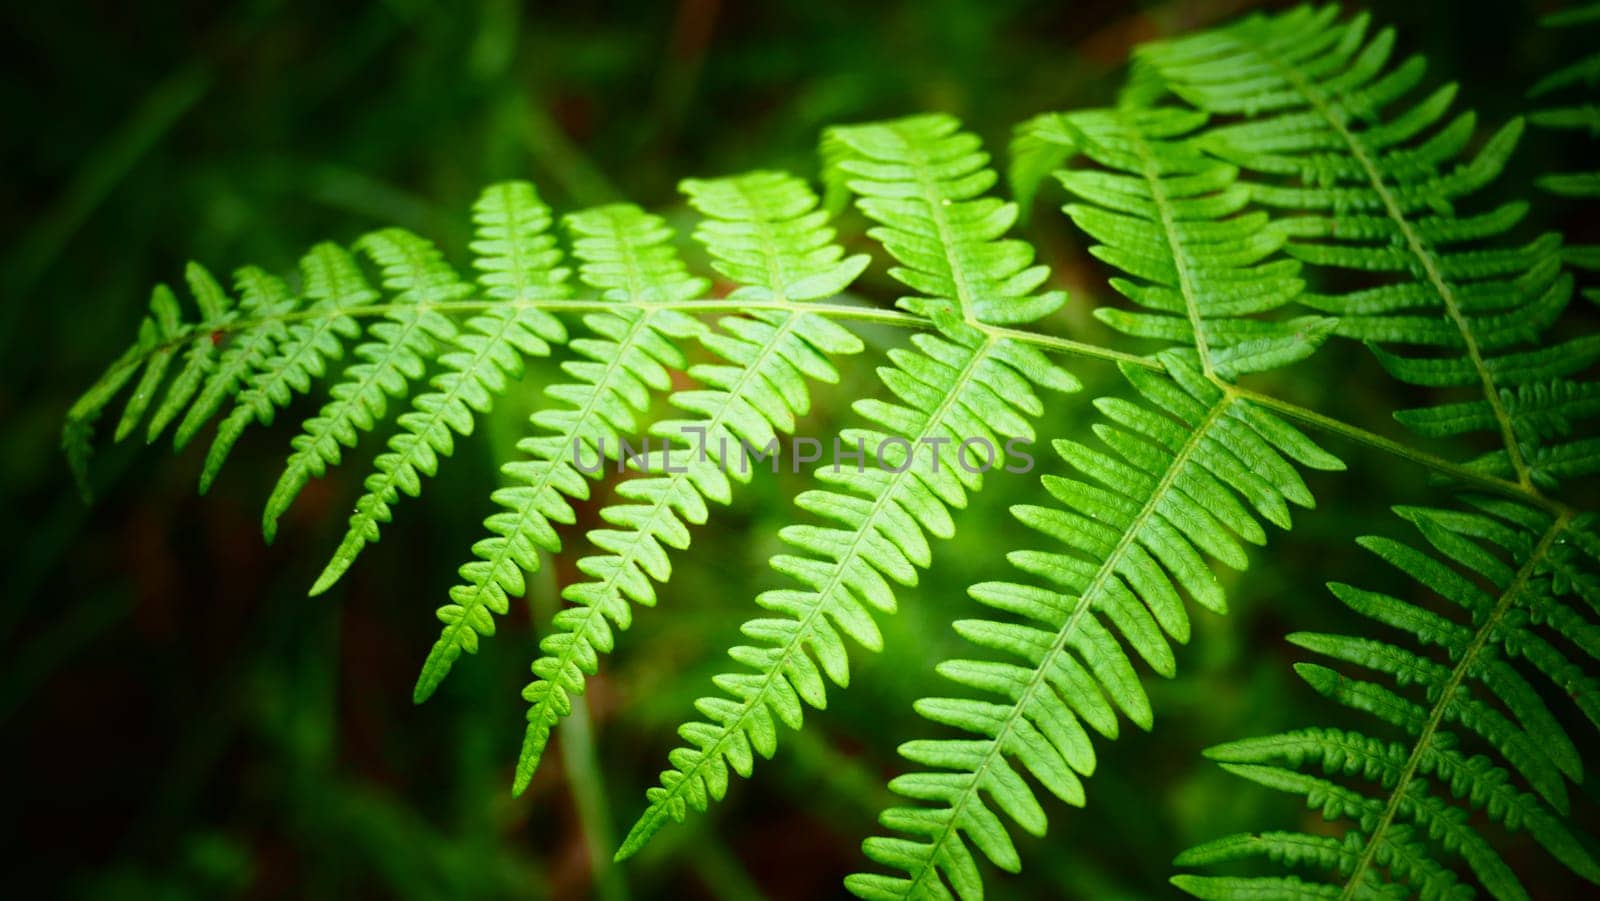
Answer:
(921, 180)
(763, 230)
(1135, 535)
(1327, 129)
(159, 336)
(396, 355)
(266, 299)
(1165, 213)
(624, 253)
(332, 283)
(1534, 564)
(518, 262)
(216, 311)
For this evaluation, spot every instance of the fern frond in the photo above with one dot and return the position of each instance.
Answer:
(1327, 128)
(764, 231)
(626, 254)
(1514, 573)
(1171, 217)
(921, 180)
(397, 354)
(332, 282)
(518, 260)
(1185, 476)
(1184, 488)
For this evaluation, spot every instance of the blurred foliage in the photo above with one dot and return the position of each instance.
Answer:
(181, 721)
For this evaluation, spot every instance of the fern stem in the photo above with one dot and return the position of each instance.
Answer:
(1169, 231)
(1457, 471)
(1469, 658)
(1425, 258)
(1050, 343)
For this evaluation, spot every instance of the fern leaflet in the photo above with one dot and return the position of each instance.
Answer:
(332, 283)
(1320, 134)
(763, 230)
(1537, 565)
(623, 253)
(1180, 486)
(518, 261)
(396, 355)
(920, 178)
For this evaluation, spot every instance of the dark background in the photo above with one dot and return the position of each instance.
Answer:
(178, 720)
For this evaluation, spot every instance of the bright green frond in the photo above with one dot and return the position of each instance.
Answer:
(1172, 219)
(764, 230)
(924, 181)
(626, 358)
(1185, 476)
(1332, 126)
(920, 180)
(331, 282)
(1512, 573)
(396, 354)
(517, 260)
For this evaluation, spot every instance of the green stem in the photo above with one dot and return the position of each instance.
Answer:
(901, 319)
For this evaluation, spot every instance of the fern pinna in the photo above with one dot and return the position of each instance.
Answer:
(766, 234)
(1515, 574)
(1244, 181)
(1365, 186)
(922, 180)
(1362, 187)
(1183, 476)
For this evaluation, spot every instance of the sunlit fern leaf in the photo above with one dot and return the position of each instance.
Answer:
(1513, 573)
(332, 282)
(1327, 128)
(1170, 217)
(1181, 487)
(396, 354)
(921, 179)
(517, 260)
(625, 254)
(763, 231)
(160, 334)
(1185, 476)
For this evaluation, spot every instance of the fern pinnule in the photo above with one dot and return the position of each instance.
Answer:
(159, 330)
(216, 310)
(764, 231)
(160, 334)
(1514, 573)
(266, 299)
(625, 254)
(332, 282)
(1326, 128)
(518, 261)
(921, 180)
(1171, 218)
(396, 354)
(1584, 71)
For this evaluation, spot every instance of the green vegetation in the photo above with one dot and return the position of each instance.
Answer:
(1278, 239)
